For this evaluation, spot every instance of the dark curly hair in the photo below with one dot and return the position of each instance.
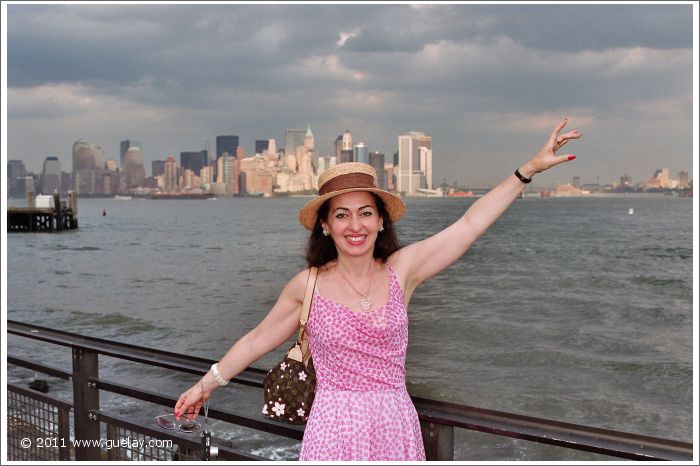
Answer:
(320, 249)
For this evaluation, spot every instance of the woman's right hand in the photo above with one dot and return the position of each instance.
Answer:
(190, 402)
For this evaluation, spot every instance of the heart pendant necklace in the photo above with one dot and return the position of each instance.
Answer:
(365, 301)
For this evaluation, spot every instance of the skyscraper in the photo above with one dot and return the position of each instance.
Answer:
(50, 179)
(309, 139)
(84, 167)
(343, 147)
(227, 144)
(376, 159)
(171, 178)
(226, 174)
(134, 172)
(16, 169)
(271, 149)
(261, 146)
(125, 146)
(361, 153)
(292, 139)
(157, 168)
(194, 161)
(415, 162)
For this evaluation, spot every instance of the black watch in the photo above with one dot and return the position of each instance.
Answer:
(521, 177)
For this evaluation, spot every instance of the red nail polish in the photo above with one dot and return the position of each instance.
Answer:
(572, 157)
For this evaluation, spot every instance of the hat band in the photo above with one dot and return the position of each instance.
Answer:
(347, 181)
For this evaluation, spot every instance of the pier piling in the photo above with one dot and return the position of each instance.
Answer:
(44, 217)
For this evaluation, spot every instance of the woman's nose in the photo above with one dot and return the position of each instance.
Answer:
(355, 223)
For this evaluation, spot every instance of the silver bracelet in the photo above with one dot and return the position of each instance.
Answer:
(217, 376)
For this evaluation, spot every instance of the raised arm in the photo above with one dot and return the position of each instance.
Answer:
(276, 328)
(423, 259)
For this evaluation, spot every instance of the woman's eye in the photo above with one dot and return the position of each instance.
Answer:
(341, 215)
(366, 213)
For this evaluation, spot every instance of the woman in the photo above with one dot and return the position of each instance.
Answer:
(358, 325)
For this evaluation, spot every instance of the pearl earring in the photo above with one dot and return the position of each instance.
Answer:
(381, 228)
(325, 233)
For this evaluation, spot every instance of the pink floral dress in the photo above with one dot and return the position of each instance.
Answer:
(362, 410)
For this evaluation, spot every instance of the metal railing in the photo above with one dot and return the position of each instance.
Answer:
(438, 419)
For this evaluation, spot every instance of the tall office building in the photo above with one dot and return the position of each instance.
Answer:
(157, 168)
(194, 161)
(83, 155)
(272, 150)
(361, 153)
(84, 167)
(415, 163)
(125, 146)
(134, 172)
(426, 166)
(50, 179)
(226, 174)
(171, 177)
(16, 169)
(309, 139)
(261, 146)
(227, 144)
(376, 159)
(343, 148)
(338, 145)
(292, 139)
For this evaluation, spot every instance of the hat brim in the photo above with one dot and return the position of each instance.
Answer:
(393, 204)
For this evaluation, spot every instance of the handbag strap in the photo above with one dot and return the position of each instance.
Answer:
(301, 351)
(308, 296)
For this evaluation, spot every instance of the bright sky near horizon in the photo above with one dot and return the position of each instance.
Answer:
(487, 82)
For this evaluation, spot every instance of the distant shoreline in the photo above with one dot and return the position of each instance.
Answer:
(475, 196)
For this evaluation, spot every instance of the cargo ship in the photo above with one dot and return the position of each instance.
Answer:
(182, 195)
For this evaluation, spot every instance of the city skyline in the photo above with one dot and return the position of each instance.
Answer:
(487, 82)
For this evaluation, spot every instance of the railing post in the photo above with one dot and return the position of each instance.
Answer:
(86, 398)
(63, 434)
(438, 440)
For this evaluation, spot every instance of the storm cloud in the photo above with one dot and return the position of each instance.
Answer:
(486, 81)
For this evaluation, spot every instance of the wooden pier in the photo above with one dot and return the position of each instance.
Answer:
(44, 218)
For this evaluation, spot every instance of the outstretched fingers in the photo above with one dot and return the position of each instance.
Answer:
(563, 158)
(557, 129)
(185, 407)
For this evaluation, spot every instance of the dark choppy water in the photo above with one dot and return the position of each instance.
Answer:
(567, 309)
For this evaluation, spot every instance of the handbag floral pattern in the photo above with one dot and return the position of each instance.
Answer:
(289, 388)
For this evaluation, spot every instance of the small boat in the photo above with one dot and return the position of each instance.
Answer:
(630, 212)
(122, 198)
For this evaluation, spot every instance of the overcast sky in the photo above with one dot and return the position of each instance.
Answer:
(487, 82)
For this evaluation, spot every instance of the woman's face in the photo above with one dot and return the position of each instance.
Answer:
(353, 222)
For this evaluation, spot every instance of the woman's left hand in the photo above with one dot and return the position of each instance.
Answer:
(546, 158)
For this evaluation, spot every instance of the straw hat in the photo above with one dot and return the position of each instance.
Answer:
(346, 178)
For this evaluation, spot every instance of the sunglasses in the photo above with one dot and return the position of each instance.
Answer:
(169, 421)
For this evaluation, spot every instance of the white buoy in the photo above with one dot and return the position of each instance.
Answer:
(631, 211)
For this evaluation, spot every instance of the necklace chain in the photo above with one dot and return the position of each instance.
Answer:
(365, 302)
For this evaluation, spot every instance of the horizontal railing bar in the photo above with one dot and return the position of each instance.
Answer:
(40, 367)
(573, 436)
(263, 424)
(165, 359)
(48, 399)
(163, 434)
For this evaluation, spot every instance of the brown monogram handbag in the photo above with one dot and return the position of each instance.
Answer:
(290, 386)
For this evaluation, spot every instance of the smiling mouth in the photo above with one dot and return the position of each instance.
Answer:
(356, 239)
